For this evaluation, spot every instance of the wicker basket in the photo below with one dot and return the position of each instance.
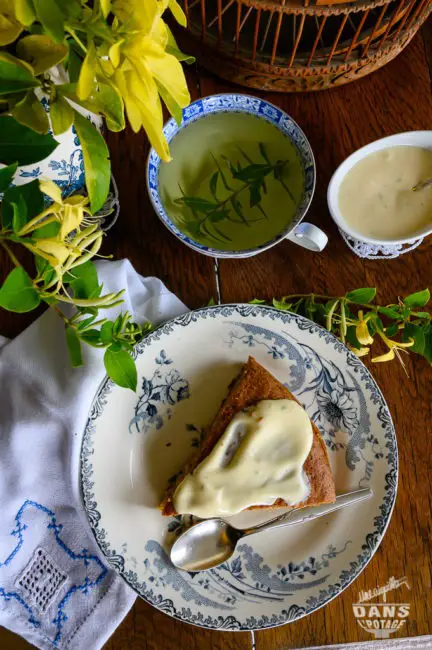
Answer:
(290, 45)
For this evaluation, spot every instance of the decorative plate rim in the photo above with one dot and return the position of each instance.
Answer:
(372, 539)
(171, 128)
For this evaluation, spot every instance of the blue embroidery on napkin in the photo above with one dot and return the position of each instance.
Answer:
(84, 556)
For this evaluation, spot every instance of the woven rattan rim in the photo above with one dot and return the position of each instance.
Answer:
(296, 8)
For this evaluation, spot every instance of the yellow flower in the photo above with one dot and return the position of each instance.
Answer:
(51, 249)
(362, 332)
(142, 69)
(360, 352)
(394, 347)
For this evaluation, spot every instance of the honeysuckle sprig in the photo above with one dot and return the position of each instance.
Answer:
(359, 322)
(63, 237)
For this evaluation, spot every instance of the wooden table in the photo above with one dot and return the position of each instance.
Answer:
(396, 98)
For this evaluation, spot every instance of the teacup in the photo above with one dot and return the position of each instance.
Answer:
(304, 234)
(422, 139)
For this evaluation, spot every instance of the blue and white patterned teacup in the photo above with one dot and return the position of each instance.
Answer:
(304, 234)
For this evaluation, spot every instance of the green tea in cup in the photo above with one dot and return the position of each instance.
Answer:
(234, 183)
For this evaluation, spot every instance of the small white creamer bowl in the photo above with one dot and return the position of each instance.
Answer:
(421, 139)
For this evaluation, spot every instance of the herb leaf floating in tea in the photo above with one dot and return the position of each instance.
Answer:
(227, 183)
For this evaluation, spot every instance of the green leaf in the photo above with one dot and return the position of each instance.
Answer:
(422, 314)
(211, 302)
(10, 28)
(50, 230)
(417, 333)
(121, 367)
(213, 184)
(427, 352)
(41, 52)
(62, 115)
(32, 196)
(106, 332)
(91, 337)
(74, 61)
(218, 215)
(103, 100)
(282, 304)
(252, 172)
(15, 76)
(50, 16)
(74, 347)
(236, 206)
(30, 112)
(361, 296)
(82, 324)
(172, 48)
(19, 218)
(392, 329)
(84, 281)
(263, 152)
(352, 338)
(200, 205)
(18, 142)
(417, 299)
(6, 176)
(390, 312)
(18, 293)
(255, 195)
(96, 161)
(257, 301)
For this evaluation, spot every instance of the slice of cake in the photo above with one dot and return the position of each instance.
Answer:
(248, 396)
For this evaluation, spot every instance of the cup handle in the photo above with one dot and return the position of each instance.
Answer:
(308, 236)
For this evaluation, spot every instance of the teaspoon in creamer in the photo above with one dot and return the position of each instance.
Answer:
(212, 541)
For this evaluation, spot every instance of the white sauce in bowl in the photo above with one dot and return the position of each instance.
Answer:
(376, 198)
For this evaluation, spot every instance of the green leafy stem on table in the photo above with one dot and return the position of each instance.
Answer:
(359, 323)
(208, 216)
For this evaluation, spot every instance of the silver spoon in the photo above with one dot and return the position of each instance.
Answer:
(212, 541)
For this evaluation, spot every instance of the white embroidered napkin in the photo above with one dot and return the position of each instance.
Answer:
(56, 589)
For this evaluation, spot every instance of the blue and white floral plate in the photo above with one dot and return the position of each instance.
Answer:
(135, 443)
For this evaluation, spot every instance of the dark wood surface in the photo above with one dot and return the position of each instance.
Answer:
(394, 99)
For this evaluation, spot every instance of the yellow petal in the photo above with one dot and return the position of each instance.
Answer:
(144, 92)
(51, 189)
(138, 14)
(106, 7)
(71, 218)
(76, 199)
(178, 12)
(360, 352)
(403, 345)
(55, 252)
(87, 73)
(115, 53)
(388, 356)
(362, 334)
(132, 110)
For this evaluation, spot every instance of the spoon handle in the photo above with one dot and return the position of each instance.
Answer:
(306, 513)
